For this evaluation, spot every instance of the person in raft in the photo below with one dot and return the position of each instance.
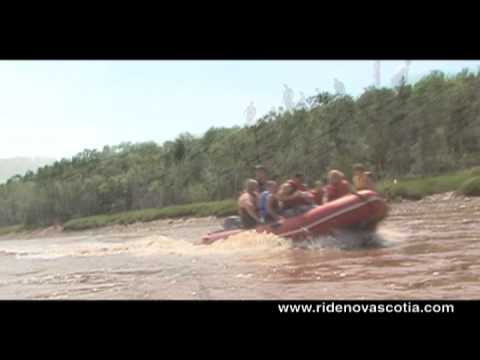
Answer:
(247, 205)
(268, 203)
(300, 180)
(262, 177)
(337, 186)
(362, 179)
(318, 192)
(370, 181)
(294, 201)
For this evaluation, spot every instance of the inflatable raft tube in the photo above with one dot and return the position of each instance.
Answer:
(364, 210)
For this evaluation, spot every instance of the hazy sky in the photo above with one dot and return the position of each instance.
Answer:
(58, 108)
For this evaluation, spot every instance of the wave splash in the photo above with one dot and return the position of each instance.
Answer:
(249, 241)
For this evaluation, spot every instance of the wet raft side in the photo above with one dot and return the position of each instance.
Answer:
(366, 208)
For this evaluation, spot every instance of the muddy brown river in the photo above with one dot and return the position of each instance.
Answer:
(423, 250)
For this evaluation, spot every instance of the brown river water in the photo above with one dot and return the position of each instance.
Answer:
(424, 250)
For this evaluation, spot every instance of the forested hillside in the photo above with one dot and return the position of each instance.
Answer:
(424, 129)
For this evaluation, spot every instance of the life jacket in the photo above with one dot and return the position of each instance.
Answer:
(262, 203)
(360, 181)
(338, 190)
(265, 197)
(294, 202)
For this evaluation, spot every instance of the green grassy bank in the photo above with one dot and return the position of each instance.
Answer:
(11, 229)
(217, 208)
(466, 182)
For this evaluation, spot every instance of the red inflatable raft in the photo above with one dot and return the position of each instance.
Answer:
(363, 210)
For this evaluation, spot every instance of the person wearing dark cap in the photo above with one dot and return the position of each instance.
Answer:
(262, 178)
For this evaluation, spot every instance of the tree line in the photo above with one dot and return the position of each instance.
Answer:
(428, 128)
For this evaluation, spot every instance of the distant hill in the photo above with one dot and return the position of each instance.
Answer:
(20, 165)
